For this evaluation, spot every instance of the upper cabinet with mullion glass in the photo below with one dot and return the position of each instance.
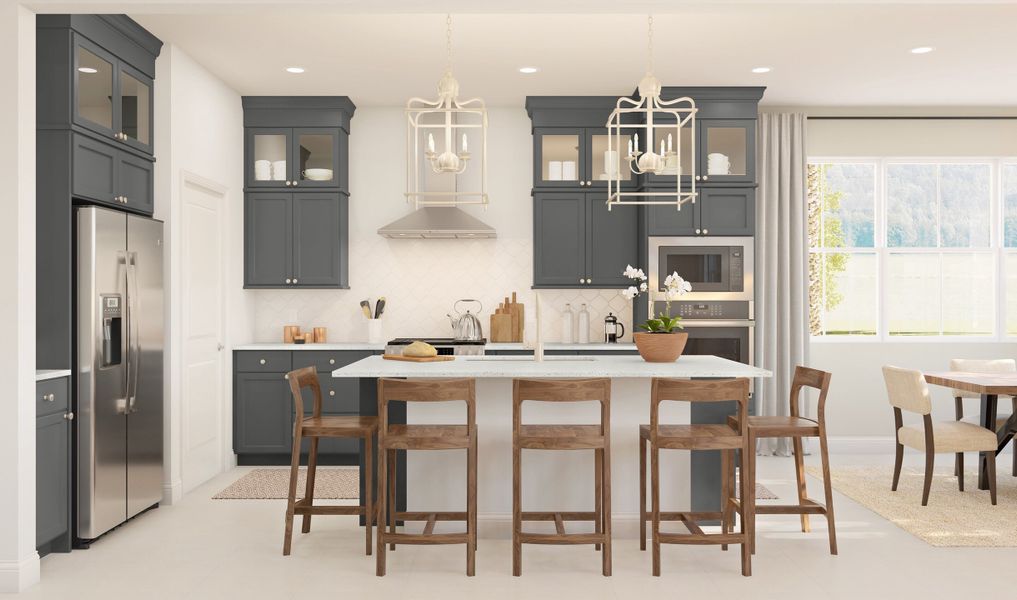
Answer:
(136, 103)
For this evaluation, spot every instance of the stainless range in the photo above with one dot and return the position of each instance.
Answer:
(445, 346)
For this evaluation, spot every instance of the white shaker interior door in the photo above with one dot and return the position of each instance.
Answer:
(202, 408)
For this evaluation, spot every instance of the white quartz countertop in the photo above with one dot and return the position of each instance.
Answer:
(556, 366)
(44, 374)
(560, 346)
(326, 346)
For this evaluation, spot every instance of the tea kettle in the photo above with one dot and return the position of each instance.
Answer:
(466, 326)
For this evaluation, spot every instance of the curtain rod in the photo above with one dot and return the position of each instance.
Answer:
(912, 118)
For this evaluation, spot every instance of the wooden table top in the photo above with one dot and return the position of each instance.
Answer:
(977, 383)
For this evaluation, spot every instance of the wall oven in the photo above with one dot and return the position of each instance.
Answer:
(723, 328)
(719, 268)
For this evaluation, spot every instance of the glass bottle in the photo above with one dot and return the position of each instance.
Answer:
(567, 325)
(584, 325)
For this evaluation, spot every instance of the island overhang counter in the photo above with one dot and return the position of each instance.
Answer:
(436, 481)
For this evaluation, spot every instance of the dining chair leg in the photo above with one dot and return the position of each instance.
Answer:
(897, 462)
(368, 489)
(930, 459)
(517, 510)
(799, 452)
(392, 507)
(725, 493)
(959, 469)
(748, 484)
(606, 491)
(990, 467)
(1013, 448)
(291, 498)
(831, 522)
(382, 510)
(642, 493)
(655, 510)
(958, 466)
(312, 467)
(598, 494)
(471, 507)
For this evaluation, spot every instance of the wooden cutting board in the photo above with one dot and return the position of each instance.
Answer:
(518, 318)
(439, 358)
(501, 327)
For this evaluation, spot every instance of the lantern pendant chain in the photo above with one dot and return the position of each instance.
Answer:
(448, 43)
(649, 44)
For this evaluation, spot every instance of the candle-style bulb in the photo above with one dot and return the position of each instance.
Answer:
(669, 143)
(464, 142)
(636, 136)
(630, 146)
(662, 147)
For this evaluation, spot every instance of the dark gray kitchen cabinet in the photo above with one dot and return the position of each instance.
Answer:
(720, 211)
(579, 243)
(53, 466)
(262, 414)
(107, 175)
(136, 183)
(297, 239)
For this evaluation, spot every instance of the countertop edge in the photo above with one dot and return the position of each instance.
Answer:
(47, 374)
(337, 346)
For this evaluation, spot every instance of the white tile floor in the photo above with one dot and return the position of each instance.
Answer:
(203, 548)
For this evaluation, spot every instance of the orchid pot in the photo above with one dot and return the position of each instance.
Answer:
(660, 340)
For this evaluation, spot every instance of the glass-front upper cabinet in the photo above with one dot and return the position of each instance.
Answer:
(268, 154)
(93, 94)
(558, 153)
(135, 108)
(606, 161)
(317, 154)
(727, 150)
(287, 157)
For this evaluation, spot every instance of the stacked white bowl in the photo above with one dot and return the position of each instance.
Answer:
(718, 164)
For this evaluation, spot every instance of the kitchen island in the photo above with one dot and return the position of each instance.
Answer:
(559, 480)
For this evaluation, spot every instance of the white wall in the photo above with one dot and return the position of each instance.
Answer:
(199, 130)
(19, 562)
(420, 279)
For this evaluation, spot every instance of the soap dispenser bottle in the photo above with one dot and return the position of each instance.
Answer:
(584, 325)
(567, 325)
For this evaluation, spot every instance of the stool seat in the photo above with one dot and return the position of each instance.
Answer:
(779, 426)
(698, 437)
(560, 437)
(335, 426)
(429, 437)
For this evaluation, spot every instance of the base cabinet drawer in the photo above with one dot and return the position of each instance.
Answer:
(271, 361)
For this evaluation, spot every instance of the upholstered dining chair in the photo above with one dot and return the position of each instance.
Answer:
(908, 391)
(970, 365)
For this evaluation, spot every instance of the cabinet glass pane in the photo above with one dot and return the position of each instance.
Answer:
(270, 157)
(606, 160)
(674, 156)
(725, 151)
(95, 88)
(134, 103)
(316, 157)
(560, 155)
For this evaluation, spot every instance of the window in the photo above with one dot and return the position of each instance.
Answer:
(902, 248)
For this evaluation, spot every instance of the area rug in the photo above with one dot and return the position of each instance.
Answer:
(952, 518)
(330, 483)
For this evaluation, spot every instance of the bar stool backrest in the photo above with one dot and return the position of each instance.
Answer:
(562, 390)
(427, 390)
(304, 378)
(686, 390)
(813, 378)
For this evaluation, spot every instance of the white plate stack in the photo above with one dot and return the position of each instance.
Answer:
(262, 170)
(718, 164)
(279, 170)
(554, 170)
(568, 170)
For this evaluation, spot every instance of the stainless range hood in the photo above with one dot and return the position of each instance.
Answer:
(441, 222)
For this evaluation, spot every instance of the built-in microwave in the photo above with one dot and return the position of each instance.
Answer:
(718, 268)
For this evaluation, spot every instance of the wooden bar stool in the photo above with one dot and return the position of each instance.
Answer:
(316, 427)
(795, 427)
(563, 437)
(726, 438)
(427, 437)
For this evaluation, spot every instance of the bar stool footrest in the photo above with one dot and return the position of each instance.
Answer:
(702, 539)
(303, 507)
(562, 538)
(416, 539)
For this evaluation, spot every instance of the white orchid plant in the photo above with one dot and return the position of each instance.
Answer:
(674, 288)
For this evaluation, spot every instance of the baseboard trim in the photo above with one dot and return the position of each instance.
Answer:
(17, 576)
(172, 492)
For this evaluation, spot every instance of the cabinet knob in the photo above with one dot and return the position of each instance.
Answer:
(331, 392)
(589, 183)
(288, 183)
(294, 280)
(288, 281)
(705, 177)
(69, 416)
(699, 231)
(706, 231)
(295, 183)
(48, 397)
(286, 376)
(125, 199)
(582, 183)
(581, 280)
(331, 361)
(261, 362)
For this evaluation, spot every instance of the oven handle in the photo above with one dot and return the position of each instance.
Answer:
(686, 323)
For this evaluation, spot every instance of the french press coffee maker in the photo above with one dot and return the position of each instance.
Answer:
(613, 330)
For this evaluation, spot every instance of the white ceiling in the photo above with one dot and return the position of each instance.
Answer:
(821, 53)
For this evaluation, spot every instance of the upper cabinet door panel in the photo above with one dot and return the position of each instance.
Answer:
(613, 243)
(727, 150)
(95, 74)
(606, 157)
(727, 211)
(559, 236)
(136, 106)
(667, 220)
(559, 157)
(134, 182)
(94, 175)
(268, 241)
(316, 152)
(316, 247)
(269, 156)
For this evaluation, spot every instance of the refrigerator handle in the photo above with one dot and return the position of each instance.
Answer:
(133, 345)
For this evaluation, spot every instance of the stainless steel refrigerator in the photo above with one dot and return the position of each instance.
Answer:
(119, 374)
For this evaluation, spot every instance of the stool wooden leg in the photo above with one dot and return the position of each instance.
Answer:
(824, 455)
(392, 506)
(748, 484)
(312, 467)
(598, 493)
(291, 499)
(799, 451)
(725, 493)
(606, 514)
(382, 509)
(959, 468)
(642, 493)
(655, 503)
(368, 489)
(471, 506)
(517, 509)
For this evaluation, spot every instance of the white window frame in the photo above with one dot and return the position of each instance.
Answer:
(882, 251)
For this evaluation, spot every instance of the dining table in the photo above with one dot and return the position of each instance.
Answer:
(990, 386)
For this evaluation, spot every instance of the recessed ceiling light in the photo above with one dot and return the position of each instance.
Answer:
(922, 50)
(761, 70)
(528, 70)
(294, 69)
(87, 70)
